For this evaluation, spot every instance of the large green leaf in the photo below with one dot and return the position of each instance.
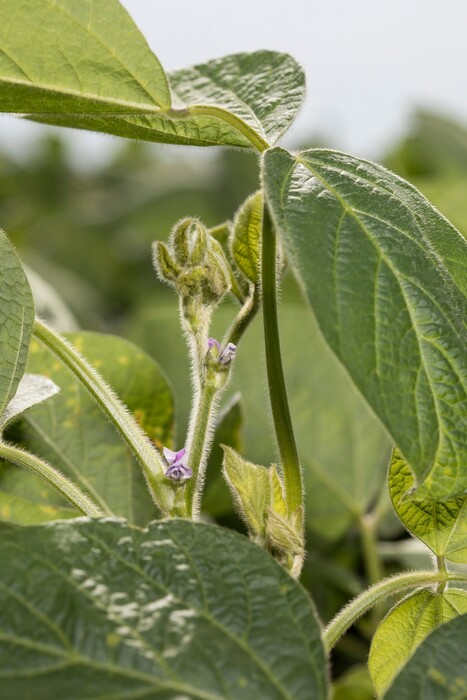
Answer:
(442, 526)
(71, 432)
(385, 274)
(16, 319)
(438, 669)
(86, 65)
(181, 610)
(405, 627)
(84, 58)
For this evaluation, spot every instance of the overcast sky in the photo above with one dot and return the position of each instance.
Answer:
(369, 63)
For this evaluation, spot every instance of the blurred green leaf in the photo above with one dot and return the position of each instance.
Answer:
(405, 627)
(71, 432)
(354, 685)
(385, 276)
(16, 319)
(442, 526)
(180, 610)
(438, 669)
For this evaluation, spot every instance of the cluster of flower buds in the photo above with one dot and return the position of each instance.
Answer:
(193, 262)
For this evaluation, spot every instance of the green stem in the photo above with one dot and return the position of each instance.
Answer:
(243, 319)
(276, 382)
(379, 592)
(198, 442)
(52, 476)
(125, 423)
(440, 560)
(374, 569)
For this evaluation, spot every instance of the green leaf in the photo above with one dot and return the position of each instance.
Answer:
(71, 432)
(246, 236)
(22, 511)
(16, 319)
(33, 389)
(405, 627)
(385, 275)
(180, 610)
(250, 487)
(86, 65)
(355, 684)
(76, 58)
(265, 89)
(438, 669)
(441, 526)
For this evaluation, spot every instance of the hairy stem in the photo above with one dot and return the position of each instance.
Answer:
(243, 319)
(379, 592)
(65, 487)
(276, 382)
(150, 460)
(198, 442)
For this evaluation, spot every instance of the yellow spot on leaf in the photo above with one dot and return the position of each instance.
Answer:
(68, 424)
(112, 639)
(6, 512)
(123, 360)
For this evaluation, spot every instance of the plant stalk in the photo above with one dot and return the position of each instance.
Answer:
(374, 570)
(65, 487)
(152, 464)
(276, 382)
(199, 439)
(378, 593)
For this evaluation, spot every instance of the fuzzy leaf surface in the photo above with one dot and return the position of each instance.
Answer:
(71, 432)
(406, 626)
(440, 525)
(16, 319)
(33, 389)
(438, 669)
(385, 275)
(180, 610)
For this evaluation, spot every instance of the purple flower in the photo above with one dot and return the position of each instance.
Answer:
(226, 355)
(178, 470)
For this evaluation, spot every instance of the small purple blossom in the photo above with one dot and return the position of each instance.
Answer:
(177, 470)
(226, 355)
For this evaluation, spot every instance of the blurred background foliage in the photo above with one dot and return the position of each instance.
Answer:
(87, 234)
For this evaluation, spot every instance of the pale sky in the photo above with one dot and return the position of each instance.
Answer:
(369, 63)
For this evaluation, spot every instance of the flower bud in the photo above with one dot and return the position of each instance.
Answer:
(165, 266)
